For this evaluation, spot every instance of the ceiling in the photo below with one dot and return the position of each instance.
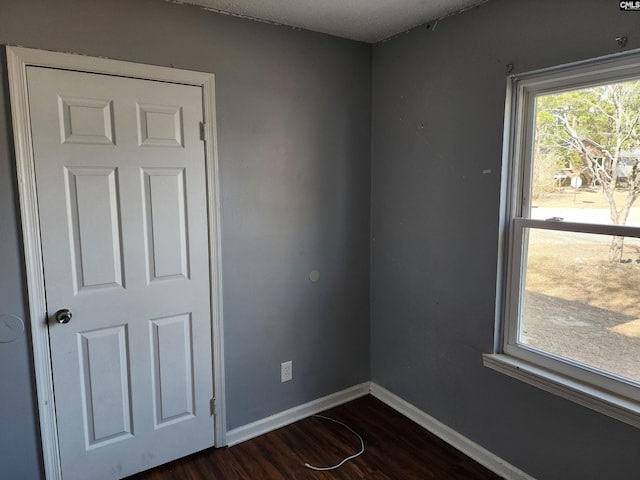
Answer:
(365, 20)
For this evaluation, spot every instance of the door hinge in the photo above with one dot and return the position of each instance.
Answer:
(203, 132)
(212, 405)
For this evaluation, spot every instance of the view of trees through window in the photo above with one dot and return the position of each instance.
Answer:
(581, 297)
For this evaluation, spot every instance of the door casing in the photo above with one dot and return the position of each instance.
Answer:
(18, 59)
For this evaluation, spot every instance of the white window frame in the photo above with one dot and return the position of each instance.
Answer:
(607, 393)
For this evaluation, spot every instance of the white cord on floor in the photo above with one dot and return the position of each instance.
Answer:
(346, 459)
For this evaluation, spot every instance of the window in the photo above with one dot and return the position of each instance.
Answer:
(569, 292)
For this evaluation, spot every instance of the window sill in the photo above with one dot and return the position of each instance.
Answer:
(608, 403)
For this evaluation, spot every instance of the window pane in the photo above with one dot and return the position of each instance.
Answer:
(579, 305)
(585, 155)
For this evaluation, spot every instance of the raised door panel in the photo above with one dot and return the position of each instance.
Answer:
(165, 222)
(160, 126)
(93, 212)
(171, 343)
(86, 120)
(104, 367)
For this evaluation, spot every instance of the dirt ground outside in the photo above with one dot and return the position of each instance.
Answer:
(577, 304)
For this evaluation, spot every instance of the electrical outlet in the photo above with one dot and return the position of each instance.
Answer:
(286, 371)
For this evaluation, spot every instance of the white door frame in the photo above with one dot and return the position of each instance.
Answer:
(18, 59)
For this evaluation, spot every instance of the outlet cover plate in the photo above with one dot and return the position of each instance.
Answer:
(286, 371)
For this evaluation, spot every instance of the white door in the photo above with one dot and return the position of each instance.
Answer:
(121, 190)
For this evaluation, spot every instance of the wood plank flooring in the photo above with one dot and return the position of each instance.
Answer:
(395, 449)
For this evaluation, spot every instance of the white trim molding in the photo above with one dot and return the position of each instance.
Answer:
(287, 417)
(439, 429)
(598, 399)
(18, 59)
(468, 447)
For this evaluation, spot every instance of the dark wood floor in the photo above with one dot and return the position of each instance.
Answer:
(395, 449)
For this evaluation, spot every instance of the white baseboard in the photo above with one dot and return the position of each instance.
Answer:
(282, 419)
(447, 434)
(453, 438)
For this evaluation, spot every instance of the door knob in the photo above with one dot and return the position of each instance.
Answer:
(63, 316)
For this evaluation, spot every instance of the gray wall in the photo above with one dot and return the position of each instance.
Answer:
(438, 108)
(294, 122)
(294, 112)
